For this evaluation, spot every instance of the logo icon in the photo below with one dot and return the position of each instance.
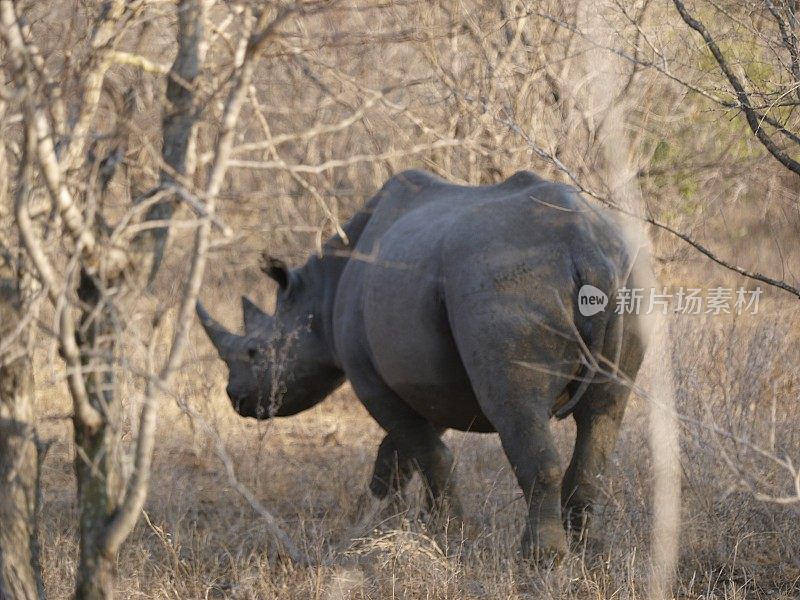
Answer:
(591, 300)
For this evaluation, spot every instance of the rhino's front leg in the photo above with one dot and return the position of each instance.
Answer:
(392, 470)
(411, 442)
(418, 446)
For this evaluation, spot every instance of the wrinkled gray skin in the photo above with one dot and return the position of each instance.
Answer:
(455, 307)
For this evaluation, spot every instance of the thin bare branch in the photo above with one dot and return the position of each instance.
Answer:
(741, 94)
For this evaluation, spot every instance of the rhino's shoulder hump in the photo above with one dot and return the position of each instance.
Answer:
(523, 179)
(415, 179)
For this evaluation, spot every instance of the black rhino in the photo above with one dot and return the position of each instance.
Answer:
(451, 306)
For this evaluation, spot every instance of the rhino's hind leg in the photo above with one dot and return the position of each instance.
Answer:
(597, 429)
(529, 445)
(493, 338)
(517, 401)
(598, 417)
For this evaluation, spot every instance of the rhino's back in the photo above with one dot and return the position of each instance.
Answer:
(420, 197)
(420, 220)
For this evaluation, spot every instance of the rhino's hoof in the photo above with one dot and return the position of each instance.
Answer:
(441, 514)
(576, 523)
(546, 544)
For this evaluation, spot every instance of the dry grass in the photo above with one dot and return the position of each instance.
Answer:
(200, 539)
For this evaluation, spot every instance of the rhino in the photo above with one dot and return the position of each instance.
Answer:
(457, 307)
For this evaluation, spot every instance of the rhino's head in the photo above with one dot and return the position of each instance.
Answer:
(282, 364)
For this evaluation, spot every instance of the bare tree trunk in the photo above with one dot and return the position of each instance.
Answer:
(18, 474)
(20, 573)
(96, 460)
(20, 578)
(97, 464)
(178, 121)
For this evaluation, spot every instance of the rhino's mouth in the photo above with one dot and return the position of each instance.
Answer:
(248, 407)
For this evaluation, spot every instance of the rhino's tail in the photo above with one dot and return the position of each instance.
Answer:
(601, 335)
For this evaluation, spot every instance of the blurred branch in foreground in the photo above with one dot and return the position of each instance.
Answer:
(94, 293)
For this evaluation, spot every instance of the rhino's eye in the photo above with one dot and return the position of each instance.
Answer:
(252, 352)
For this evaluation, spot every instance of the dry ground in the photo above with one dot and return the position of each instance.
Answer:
(200, 539)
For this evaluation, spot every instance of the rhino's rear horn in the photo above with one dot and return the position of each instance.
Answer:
(224, 341)
(255, 319)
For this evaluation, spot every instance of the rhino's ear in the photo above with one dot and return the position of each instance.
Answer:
(276, 269)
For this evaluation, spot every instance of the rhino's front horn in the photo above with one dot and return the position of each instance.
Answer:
(255, 319)
(224, 341)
